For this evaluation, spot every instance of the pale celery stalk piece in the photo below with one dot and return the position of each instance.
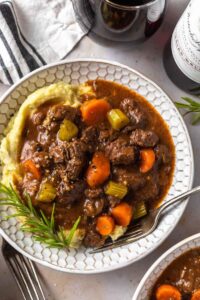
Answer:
(116, 189)
(47, 192)
(140, 211)
(67, 131)
(118, 231)
(117, 119)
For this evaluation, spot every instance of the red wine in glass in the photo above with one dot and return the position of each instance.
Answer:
(124, 22)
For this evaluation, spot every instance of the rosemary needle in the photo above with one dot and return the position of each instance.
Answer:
(42, 228)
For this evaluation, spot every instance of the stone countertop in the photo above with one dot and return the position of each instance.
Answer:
(148, 58)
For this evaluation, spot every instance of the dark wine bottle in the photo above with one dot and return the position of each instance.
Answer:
(173, 71)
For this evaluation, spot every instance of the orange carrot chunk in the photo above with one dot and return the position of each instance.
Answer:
(196, 295)
(30, 167)
(147, 157)
(168, 292)
(122, 214)
(94, 111)
(99, 170)
(105, 225)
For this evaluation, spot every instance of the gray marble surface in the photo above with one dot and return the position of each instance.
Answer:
(121, 284)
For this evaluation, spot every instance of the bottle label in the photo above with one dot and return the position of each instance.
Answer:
(186, 42)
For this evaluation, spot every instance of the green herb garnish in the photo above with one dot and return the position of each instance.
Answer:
(190, 106)
(35, 222)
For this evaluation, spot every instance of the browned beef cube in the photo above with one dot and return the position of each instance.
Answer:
(119, 152)
(130, 177)
(143, 138)
(133, 112)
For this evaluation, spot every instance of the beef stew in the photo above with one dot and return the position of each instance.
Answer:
(98, 161)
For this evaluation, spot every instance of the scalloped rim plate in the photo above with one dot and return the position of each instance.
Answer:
(76, 71)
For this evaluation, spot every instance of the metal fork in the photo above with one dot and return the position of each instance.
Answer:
(24, 273)
(146, 225)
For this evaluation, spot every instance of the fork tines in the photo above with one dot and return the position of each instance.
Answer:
(132, 234)
(24, 273)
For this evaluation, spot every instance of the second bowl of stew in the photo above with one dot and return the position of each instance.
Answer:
(175, 275)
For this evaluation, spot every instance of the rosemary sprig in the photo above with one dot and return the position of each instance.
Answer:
(190, 106)
(42, 228)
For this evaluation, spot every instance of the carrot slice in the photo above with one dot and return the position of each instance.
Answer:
(105, 225)
(99, 170)
(122, 214)
(196, 295)
(167, 291)
(94, 111)
(147, 157)
(30, 167)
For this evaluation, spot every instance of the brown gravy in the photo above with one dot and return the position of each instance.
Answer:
(183, 273)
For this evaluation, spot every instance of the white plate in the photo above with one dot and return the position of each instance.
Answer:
(146, 284)
(77, 71)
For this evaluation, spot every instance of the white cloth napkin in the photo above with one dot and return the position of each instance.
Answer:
(34, 33)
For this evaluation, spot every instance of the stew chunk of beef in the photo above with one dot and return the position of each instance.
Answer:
(136, 116)
(30, 185)
(58, 152)
(69, 192)
(92, 237)
(107, 134)
(42, 159)
(93, 207)
(45, 137)
(28, 150)
(94, 193)
(38, 118)
(89, 138)
(119, 151)
(130, 177)
(77, 157)
(143, 138)
(59, 112)
(94, 202)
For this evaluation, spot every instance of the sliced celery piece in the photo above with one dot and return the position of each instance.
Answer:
(140, 211)
(115, 189)
(47, 192)
(117, 119)
(67, 131)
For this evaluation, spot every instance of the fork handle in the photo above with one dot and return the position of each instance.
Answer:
(178, 198)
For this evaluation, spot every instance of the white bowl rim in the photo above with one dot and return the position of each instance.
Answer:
(160, 259)
(120, 265)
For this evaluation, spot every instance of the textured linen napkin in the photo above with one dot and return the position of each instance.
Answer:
(34, 33)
